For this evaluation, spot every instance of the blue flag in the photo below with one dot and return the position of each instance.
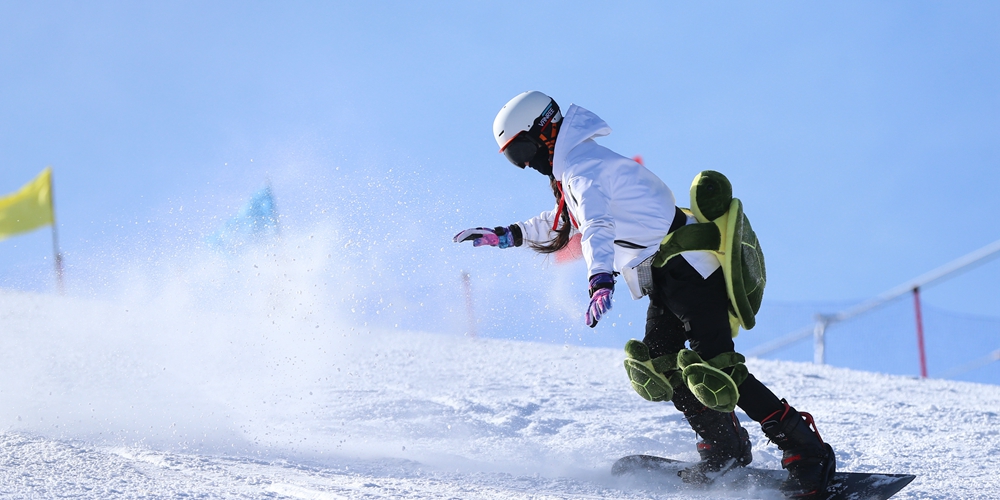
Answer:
(257, 222)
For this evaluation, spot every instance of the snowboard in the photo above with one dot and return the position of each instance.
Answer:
(843, 486)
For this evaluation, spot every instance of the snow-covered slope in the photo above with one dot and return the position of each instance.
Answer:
(100, 402)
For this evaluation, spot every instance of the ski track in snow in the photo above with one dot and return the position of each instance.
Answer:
(416, 415)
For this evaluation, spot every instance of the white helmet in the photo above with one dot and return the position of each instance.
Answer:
(529, 112)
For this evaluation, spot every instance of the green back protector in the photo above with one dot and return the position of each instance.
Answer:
(724, 230)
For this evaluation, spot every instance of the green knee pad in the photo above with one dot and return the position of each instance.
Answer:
(713, 387)
(653, 379)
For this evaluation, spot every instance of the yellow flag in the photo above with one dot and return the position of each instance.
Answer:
(29, 208)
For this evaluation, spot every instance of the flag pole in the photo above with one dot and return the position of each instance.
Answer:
(920, 332)
(467, 288)
(58, 260)
(57, 255)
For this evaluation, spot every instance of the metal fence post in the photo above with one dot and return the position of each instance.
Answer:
(819, 339)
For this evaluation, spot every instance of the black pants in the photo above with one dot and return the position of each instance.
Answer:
(684, 307)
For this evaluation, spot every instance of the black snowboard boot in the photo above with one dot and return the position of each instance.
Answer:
(809, 461)
(724, 445)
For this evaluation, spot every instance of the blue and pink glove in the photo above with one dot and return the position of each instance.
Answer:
(602, 287)
(500, 236)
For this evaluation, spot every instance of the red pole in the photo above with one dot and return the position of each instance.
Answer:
(467, 288)
(920, 333)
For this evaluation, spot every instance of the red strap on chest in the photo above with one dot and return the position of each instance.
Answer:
(559, 210)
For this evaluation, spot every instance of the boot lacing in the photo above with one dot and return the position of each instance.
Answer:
(812, 426)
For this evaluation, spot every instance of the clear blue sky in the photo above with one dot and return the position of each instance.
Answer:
(863, 137)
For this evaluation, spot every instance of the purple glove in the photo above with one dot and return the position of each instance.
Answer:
(503, 237)
(602, 287)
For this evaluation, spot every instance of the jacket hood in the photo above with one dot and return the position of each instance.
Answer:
(578, 125)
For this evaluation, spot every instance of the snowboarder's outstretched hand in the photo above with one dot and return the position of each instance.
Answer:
(602, 287)
(497, 237)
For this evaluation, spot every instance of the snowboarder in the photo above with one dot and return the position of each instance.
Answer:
(623, 211)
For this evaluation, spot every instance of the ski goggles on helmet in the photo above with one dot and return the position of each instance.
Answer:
(522, 149)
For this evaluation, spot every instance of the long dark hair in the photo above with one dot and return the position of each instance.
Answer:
(561, 238)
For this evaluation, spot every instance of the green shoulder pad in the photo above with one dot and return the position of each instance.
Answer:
(703, 236)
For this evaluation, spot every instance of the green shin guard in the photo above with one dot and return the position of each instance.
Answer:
(713, 387)
(653, 379)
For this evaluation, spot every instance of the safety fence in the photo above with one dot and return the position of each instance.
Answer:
(895, 332)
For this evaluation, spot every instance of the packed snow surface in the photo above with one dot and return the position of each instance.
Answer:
(147, 399)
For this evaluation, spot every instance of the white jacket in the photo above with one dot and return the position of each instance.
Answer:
(623, 210)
